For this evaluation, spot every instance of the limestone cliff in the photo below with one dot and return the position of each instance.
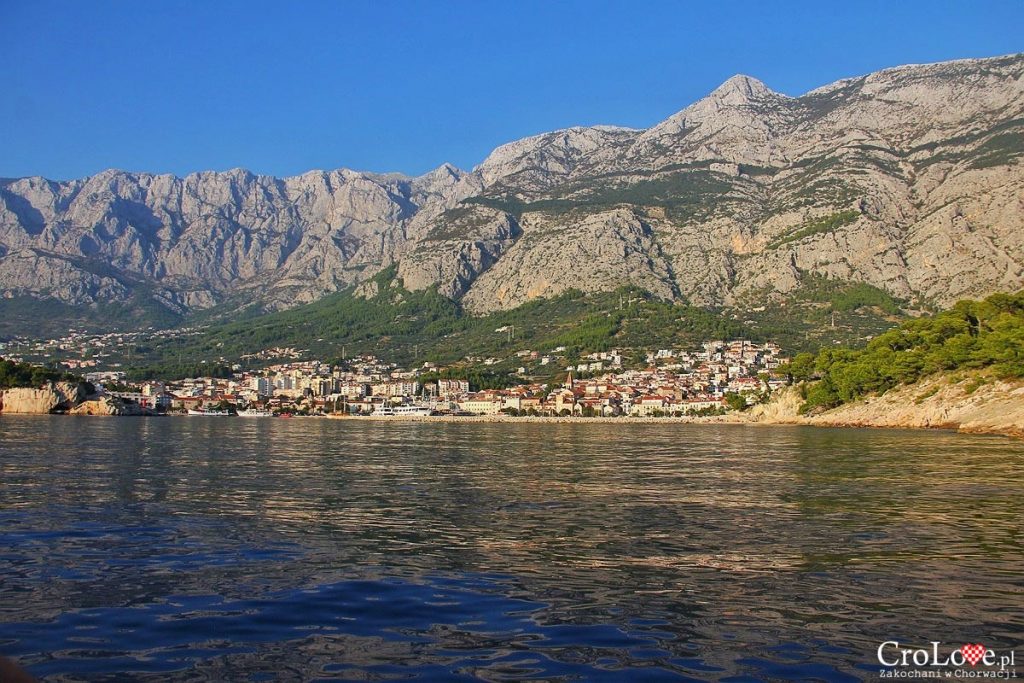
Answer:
(53, 397)
(908, 179)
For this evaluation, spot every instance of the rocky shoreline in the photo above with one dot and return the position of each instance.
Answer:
(971, 403)
(71, 398)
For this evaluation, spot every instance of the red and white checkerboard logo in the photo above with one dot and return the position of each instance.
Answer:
(891, 654)
(973, 653)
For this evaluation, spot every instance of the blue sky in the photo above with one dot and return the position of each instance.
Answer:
(282, 87)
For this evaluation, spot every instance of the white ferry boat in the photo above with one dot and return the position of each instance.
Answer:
(208, 412)
(402, 411)
(255, 412)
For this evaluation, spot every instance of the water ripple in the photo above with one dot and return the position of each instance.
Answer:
(194, 550)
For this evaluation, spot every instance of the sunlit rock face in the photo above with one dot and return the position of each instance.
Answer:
(908, 179)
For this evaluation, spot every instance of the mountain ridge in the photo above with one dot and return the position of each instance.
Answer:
(907, 179)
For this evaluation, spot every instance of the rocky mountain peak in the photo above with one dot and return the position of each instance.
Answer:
(541, 160)
(741, 90)
(735, 122)
(443, 172)
(740, 102)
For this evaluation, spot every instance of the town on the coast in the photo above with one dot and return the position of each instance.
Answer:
(710, 379)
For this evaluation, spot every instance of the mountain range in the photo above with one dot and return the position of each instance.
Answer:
(908, 179)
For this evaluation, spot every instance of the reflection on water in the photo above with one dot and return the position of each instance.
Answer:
(215, 550)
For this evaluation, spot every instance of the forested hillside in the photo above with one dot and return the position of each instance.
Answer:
(972, 335)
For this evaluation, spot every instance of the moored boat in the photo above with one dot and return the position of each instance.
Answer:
(255, 412)
(403, 411)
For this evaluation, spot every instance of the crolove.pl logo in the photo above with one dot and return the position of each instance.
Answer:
(968, 661)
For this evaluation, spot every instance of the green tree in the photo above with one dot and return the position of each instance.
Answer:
(736, 401)
(800, 369)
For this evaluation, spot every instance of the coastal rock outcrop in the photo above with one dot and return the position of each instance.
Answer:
(973, 403)
(107, 405)
(53, 397)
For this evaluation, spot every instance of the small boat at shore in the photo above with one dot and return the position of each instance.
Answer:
(208, 412)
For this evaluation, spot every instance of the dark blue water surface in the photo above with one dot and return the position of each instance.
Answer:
(198, 549)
